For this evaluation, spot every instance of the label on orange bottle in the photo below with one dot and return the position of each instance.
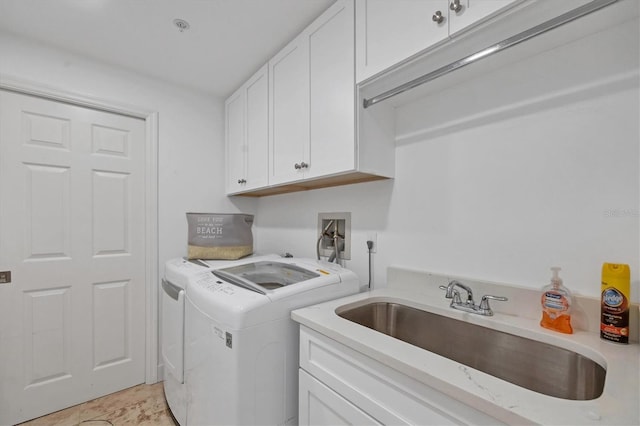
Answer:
(555, 308)
(554, 303)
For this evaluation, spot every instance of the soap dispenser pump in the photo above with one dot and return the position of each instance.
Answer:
(556, 305)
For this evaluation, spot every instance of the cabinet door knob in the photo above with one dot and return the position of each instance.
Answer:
(303, 165)
(437, 17)
(455, 6)
(241, 181)
(297, 166)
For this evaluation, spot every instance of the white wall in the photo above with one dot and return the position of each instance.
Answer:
(501, 176)
(191, 130)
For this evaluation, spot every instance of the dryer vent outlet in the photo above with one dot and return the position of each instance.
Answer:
(330, 224)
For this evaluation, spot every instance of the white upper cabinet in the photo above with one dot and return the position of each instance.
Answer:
(313, 117)
(234, 142)
(388, 32)
(246, 130)
(313, 100)
(332, 90)
(257, 129)
(289, 112)
(464, 13)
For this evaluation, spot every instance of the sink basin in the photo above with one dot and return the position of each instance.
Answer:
(534, 365)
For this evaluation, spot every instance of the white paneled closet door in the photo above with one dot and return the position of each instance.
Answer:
(72, 232)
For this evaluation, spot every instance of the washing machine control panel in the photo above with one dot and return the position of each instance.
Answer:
(211, 283)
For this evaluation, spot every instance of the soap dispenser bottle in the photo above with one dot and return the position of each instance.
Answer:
(556, 305)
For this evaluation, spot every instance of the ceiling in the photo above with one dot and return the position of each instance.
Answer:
(228, 40)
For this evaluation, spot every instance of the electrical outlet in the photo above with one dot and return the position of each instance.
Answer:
(328, 225)
(372, 236)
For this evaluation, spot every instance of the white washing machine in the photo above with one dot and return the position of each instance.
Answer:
(177, 273)
(241, 348)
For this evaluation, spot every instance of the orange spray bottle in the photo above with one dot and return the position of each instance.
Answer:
(556, 305)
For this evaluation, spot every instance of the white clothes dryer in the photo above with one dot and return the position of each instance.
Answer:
(176, 273)
(241, 348)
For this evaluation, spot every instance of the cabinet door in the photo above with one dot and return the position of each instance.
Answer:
(319, 405)
(234, 141)
(289, 112)
(388, 32)
(256, 92)
(376, 389)
(472, 12)
(332, 91)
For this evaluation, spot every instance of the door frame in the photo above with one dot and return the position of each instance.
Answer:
(151, 194)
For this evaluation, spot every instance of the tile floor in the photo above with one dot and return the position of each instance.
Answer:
(139, 405)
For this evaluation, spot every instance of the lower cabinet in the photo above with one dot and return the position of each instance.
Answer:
(319, 405)
(339, 385)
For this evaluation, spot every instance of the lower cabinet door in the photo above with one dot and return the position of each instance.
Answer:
(319, 405)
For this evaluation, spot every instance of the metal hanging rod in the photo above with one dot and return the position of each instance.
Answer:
(495, 48)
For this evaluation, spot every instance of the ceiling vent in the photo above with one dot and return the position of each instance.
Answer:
(181, 24)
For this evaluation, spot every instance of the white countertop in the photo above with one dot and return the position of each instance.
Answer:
(619, 403)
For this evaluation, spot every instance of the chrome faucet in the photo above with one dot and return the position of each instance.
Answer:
(469, 304)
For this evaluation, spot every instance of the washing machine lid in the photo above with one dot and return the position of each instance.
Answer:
(236, 306)
(263, 276)
(178, 271)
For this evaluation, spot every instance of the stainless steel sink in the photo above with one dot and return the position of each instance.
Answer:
(537, 366)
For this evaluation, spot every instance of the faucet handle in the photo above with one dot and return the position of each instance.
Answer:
(484, 303)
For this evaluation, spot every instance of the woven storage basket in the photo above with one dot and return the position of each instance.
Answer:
(219, 235)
